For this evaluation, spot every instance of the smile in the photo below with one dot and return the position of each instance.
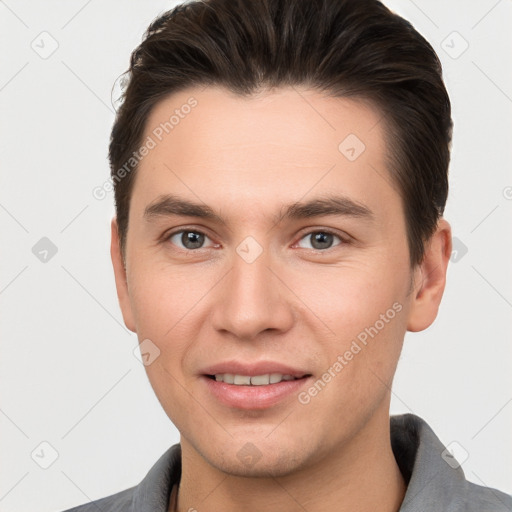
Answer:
(256, 380)
(256, 392)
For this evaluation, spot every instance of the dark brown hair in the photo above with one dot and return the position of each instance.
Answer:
(347, 48)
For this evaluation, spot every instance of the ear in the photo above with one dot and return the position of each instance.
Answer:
(430, 279)
(120, 277)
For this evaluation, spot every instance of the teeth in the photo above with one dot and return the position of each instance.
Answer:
(257, 380)
(242, 380)
(275, 377)
(260, 380)
(229, 378)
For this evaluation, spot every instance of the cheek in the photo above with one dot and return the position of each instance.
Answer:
(165, 316)
(363, 313)
(361, 364)
(349, 297)
(168, 303)
(162, 296)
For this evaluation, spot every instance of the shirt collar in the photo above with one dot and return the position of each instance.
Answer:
(434, 479)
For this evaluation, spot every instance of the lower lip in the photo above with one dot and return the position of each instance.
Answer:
(254, 397)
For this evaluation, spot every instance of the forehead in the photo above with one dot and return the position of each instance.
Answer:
(273, 147)
(307, 120)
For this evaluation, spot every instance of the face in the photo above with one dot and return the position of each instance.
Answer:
(294, 261)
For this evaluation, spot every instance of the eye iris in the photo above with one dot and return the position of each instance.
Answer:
(321, 240)
(192, 240)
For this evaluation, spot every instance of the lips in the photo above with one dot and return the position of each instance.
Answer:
(255, 380)
(253, 386)
(254, 369)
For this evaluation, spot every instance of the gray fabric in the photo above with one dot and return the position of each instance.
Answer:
(433, 484)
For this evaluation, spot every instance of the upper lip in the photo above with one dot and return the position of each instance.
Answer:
(253, 369)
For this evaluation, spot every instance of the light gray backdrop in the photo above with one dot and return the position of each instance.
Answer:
(69, 377)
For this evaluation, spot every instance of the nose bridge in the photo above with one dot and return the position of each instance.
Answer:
(252, 300)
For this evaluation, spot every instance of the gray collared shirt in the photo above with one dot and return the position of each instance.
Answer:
(435, 481)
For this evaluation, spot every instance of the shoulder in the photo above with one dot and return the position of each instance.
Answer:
(119, 502)
(478, 498)
(435, 479)
(150, 495)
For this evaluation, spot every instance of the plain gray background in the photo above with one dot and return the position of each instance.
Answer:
(69, 376)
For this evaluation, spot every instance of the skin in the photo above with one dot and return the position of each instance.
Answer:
(296, 304)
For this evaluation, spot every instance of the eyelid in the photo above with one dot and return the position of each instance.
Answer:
(168, 234)
(344, 238)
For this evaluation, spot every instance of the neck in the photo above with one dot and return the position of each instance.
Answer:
(362, 475)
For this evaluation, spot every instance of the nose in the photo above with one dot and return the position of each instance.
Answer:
(252, 300)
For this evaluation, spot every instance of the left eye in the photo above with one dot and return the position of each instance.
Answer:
(320, 240)
(191, 240)
(188, 238)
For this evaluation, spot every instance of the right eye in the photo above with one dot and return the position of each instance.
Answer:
(189, 239)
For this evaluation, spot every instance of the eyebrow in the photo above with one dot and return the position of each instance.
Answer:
(336, 205)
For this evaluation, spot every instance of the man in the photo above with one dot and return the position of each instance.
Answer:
(280, 172)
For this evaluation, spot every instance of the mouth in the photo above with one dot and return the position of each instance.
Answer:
(254, 380)
(254, 392)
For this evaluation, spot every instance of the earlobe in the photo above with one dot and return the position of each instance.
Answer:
(120, 277)
(430, 279)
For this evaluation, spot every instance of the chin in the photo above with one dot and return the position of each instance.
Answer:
(253, 460)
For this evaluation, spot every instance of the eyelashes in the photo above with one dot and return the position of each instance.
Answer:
(193, 240)
(322, 239)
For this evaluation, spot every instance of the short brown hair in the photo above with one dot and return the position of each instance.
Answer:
(347, 48)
